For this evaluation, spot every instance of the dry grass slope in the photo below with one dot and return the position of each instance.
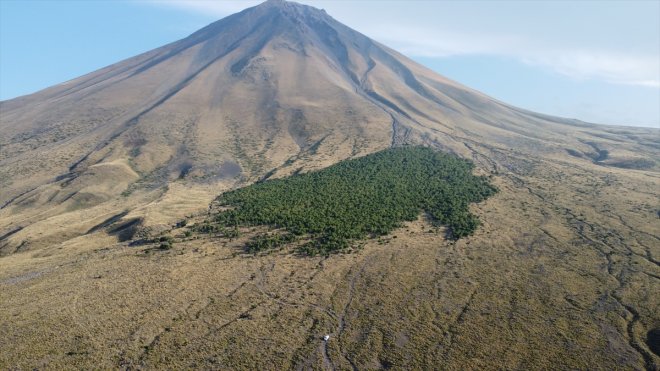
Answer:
(564, 272)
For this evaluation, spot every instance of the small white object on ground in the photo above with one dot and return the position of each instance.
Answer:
(326, 337)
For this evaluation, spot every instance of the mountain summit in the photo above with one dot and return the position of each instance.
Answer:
(256, 90)
(563, 262)
(275, 89)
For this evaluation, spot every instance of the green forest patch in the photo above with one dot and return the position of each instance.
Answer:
(355, 199)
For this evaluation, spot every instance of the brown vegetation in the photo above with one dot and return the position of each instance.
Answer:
(562, 274)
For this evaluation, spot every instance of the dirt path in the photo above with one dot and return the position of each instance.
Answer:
(327, 363)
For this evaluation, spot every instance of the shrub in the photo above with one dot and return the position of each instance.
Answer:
(354, 199)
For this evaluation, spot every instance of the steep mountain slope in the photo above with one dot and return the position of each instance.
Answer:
(563, 273)
(251, 93)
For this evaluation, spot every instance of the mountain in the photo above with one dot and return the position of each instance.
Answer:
(561, 274)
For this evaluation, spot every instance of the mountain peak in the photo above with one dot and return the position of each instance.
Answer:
(269, 18)
(275, 3)
(285, 4)
(292, 9)
(95, 170)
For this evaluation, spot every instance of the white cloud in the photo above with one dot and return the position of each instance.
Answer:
(606, 66)
(215, 8)
(422, 42)
(609, 66)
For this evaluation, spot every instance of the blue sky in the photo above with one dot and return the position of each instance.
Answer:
(598, 61)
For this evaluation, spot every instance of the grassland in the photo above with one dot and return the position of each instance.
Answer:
(561, 274)
(563, 271)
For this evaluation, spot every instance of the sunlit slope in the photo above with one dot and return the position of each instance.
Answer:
(562, 272)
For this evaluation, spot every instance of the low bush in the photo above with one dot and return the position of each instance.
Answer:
(355, 199)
